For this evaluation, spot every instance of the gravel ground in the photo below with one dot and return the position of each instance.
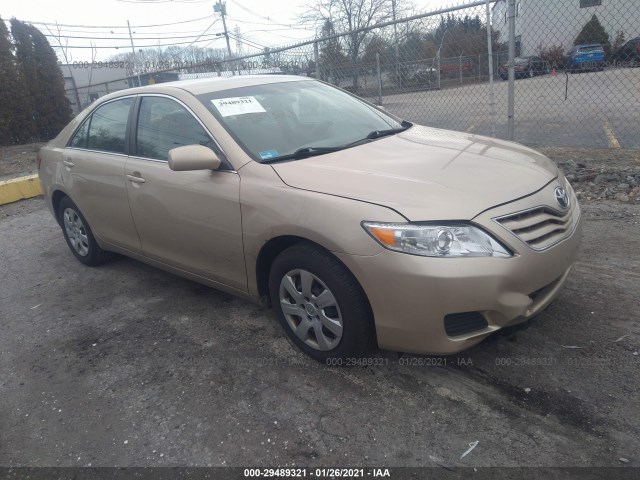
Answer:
(125, 365)
(600, 174)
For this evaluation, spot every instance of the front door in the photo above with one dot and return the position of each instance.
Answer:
(188, 220)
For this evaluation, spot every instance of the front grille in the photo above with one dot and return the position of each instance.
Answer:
(456, 324)
(540, 227)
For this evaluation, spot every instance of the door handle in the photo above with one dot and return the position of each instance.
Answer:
(68, 163)
(135, 179)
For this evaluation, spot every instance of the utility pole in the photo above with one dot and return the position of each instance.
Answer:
(222, 9)
(133, 49)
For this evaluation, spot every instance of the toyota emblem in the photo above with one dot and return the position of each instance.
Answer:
(561, 197)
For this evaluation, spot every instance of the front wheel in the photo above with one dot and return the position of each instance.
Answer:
(79, 236)
(320, 305)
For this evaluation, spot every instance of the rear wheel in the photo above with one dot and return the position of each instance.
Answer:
(79, 236)
(320, 305)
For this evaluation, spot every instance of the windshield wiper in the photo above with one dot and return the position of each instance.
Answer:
(305, 152)
(392, 131)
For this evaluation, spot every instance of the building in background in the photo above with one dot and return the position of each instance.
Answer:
(84, 83)
(544, 24)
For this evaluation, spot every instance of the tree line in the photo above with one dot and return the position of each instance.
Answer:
(33, 105)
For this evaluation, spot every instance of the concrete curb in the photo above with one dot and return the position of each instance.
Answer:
(16, 189)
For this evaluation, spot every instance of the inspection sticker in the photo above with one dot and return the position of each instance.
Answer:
(237, 106)
(268, 154)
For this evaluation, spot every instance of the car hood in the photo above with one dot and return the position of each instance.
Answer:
(426, 173)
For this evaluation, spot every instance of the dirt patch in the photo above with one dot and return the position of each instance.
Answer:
(16, 159)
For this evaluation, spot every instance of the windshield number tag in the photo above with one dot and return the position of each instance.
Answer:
(237, 106)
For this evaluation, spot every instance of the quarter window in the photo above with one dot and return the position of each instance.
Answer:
(109, 125)
(79, 140)
(164, 124)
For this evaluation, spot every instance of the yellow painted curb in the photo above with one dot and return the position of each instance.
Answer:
(18, 188)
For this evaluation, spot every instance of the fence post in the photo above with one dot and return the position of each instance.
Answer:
(395, 43)
(438, 68)
(512, 56)
(460, 68)
(379, 78)
(492, 97)
(316, 60)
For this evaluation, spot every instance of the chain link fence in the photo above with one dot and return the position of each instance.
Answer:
(541, 72)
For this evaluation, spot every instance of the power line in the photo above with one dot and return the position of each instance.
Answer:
(163, 34)
(276, 34)
(126, 38)
(251, 12)
(202, 34)
(162, 1)
(248, 43)
(118, 26)
(143, 46)
(290, 25)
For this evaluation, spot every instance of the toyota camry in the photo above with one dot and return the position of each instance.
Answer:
(360, 229)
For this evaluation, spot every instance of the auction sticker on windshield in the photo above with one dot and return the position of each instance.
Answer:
(237, 106)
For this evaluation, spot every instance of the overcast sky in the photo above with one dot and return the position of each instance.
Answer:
(163, 22)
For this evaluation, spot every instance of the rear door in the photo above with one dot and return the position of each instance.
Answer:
(93, 173)
(188, 220)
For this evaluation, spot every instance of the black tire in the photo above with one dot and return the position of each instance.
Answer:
(358, 335)
(89, 253)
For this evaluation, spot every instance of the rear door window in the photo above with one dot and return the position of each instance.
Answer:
(108, 126)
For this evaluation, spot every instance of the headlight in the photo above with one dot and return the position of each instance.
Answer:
(436, 239)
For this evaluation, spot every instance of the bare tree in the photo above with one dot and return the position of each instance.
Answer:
(349, 16)
(62, 41)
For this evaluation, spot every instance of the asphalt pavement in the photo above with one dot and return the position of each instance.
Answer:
(591, 109)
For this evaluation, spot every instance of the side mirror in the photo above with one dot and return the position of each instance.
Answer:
(193, 157)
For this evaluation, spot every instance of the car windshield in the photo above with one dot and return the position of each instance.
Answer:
(522, 61)
(277, 120)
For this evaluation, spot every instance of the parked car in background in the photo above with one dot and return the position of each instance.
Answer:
(584, 58)
(359, 228)
(525, 67)
(629, 52)
(418, 74)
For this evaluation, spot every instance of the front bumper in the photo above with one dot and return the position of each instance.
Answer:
(411, 295)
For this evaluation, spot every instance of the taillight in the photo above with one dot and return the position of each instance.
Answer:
(38, 159)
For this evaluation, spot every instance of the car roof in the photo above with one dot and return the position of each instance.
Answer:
(589, 45)
(199, 86)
